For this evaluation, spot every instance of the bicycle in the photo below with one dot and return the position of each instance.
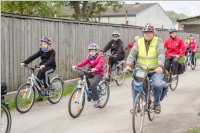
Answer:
(188, 61)
(78, 95)
(26, 93)
(6, 119)
(118, 74)
(144, 102)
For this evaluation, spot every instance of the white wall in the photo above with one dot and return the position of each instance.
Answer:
(118, 20)
(154, 15)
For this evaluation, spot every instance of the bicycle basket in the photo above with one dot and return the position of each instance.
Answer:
(140, 75)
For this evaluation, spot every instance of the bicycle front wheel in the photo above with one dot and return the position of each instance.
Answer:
(76, 103)
(56, 93)
(5, 119)
(173, 82)
(138, 113)
(104, 94)
(25, 98)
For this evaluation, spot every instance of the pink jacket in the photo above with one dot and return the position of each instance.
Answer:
(193, 46)
(97, 63)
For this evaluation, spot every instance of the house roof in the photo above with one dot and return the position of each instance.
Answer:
(191, 18)
(132, 9)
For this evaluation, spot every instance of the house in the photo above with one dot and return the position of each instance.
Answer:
(138, 14)
(190, 24)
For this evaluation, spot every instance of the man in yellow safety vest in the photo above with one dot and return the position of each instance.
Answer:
(149, 54)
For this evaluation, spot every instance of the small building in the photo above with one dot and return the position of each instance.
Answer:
(190, 24)
(138, 14)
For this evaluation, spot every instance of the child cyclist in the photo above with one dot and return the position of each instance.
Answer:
(95, 60)
(47, 64)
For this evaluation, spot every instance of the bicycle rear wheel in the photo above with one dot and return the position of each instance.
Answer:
(56, 94)
(138, 113)
(120, 74)
(25, 98)
(76, 103)
(104, 94)
(5, 119)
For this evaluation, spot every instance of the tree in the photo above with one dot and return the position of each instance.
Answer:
(35, 8)
(175, 16)
(86, 10)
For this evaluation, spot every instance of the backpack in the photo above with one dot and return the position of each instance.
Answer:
(181, 68)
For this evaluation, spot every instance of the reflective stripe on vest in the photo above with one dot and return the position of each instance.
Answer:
(147, 60)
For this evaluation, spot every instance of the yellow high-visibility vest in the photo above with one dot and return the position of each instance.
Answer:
(147, 60)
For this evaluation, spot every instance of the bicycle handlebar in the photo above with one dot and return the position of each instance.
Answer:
(84, 71)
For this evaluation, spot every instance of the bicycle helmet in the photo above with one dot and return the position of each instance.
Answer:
(93, 46)
(172, 30)
(148, 28)
(115, 33)
(47, 40)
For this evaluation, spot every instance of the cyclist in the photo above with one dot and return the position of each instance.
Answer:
(117, 49)
(192, 47)
(148, 53)
(47, 64)
(175, 49)
(129, 47)
(95, 60)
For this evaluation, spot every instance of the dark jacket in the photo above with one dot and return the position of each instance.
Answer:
(47, 59)
(115, 47)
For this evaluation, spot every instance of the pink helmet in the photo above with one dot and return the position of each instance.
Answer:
(148, 28)
(93, 46)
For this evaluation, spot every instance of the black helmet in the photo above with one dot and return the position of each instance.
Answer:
(47, 40)
(172, 30)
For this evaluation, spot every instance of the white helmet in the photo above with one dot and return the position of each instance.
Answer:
(93, 46)
(115, 33)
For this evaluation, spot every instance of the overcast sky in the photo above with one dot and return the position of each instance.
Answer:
(189, 8)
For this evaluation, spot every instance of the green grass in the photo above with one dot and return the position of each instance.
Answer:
(66, 91)
(196, 130)
(198, 55)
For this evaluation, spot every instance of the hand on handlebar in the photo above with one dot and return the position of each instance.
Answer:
(127, 69)
(93, 69)
(159, 70)
(41, 67)
(22, 64)
(74, 67)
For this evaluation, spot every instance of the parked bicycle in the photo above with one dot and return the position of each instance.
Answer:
(77, 98)
(5, 112)
(143, 103)
(26, 93)
(117, 74)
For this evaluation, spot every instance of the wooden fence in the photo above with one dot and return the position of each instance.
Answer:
(20, 38)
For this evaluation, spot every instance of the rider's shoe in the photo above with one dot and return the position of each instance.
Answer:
(157, 109)
(96, 103)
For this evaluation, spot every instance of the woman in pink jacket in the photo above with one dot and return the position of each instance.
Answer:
(95, 60)
(192, 47)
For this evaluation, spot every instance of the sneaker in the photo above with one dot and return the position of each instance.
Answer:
(157, 109)
(96, 103)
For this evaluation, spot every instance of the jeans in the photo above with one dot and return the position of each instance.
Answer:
(158, 84)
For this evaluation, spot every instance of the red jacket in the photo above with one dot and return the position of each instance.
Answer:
(174, 46)
(97, 63)
(130, 45)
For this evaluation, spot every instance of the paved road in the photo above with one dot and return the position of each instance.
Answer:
(179, 112)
